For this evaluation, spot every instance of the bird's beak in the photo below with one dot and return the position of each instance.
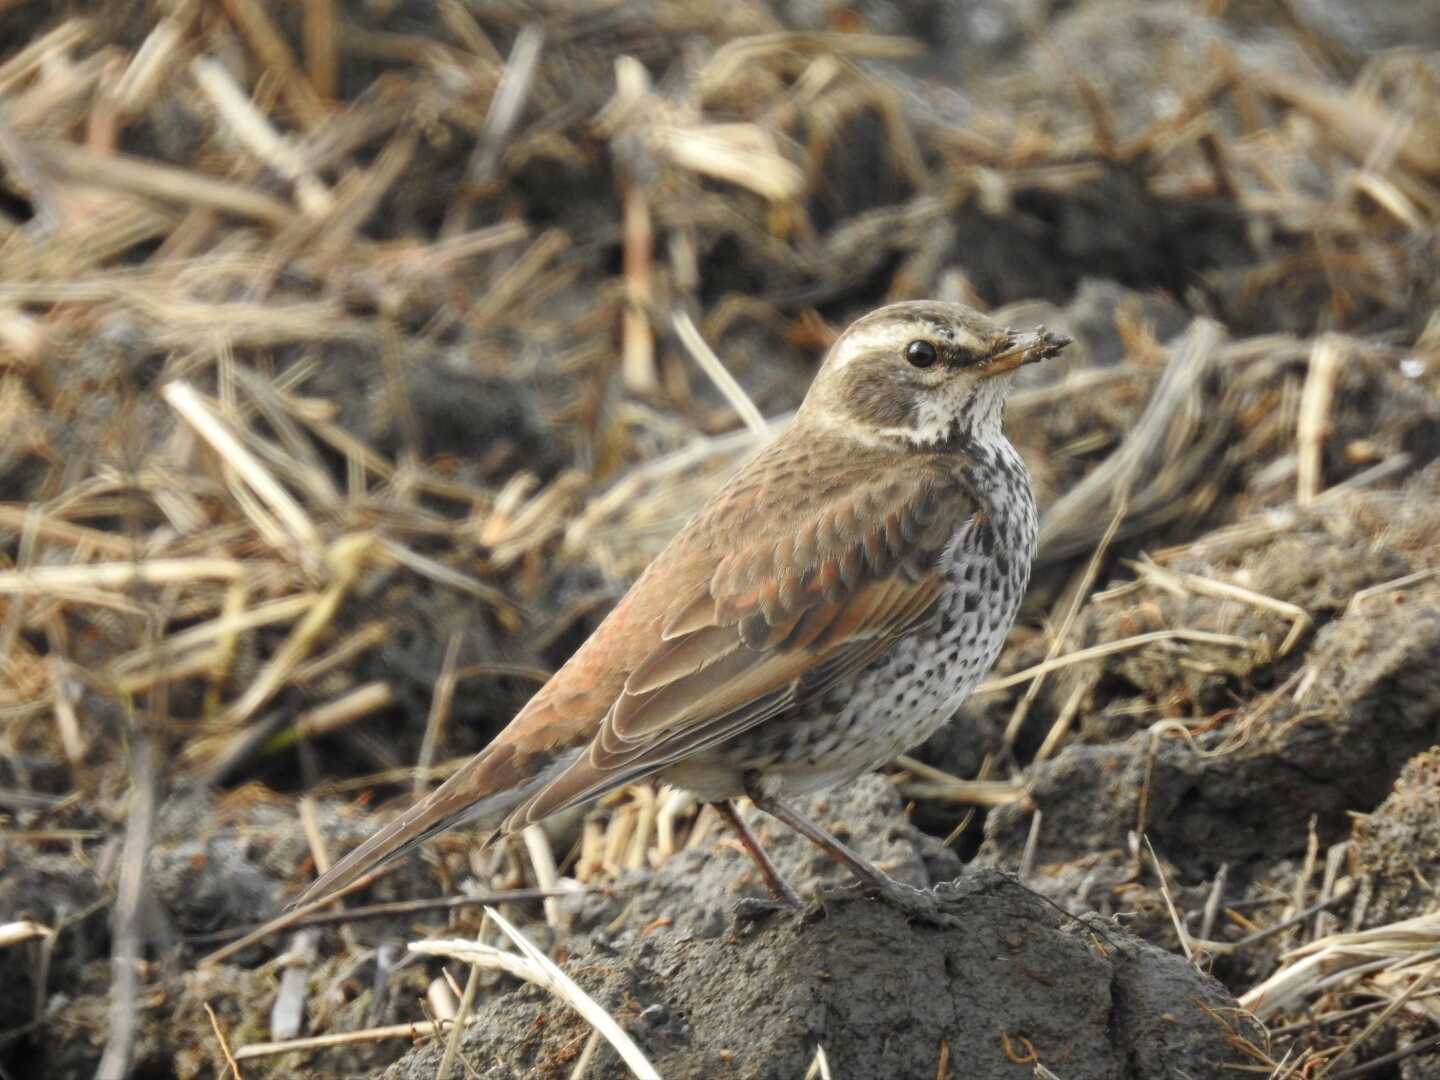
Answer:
(1030, 348)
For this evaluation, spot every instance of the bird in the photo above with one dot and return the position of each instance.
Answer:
(828, 608)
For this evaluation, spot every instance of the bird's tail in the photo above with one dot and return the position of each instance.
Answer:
(472, 794)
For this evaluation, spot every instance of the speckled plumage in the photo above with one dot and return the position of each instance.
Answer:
(828, 608)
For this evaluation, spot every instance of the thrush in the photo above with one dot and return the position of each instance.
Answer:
(827, 609)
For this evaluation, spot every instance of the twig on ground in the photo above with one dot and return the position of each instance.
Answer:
(1109, 648)
(1313, 424)
(230, 1062)
(1175, 918)
(125, 952)
(395, 908)
(534, 966)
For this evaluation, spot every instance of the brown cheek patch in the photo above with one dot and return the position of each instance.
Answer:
(877, 395)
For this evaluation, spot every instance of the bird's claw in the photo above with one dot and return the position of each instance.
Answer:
(921, 905)
(750, 909)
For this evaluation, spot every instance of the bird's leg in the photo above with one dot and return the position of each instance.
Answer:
(858, 865)
(779, 888)
(918, 903)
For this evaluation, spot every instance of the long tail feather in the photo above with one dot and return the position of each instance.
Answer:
(464, 797)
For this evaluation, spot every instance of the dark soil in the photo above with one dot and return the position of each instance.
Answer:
(711, 993)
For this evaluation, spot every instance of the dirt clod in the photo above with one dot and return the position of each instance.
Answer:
(1017, 985)
(1399, 844)
(1371, 698)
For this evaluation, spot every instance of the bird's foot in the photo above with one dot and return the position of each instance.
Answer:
(751, 909)
(929, 906)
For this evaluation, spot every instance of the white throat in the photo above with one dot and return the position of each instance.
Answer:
(968, 413)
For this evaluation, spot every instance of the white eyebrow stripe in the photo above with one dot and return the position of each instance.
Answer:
(863, 340)
(867, 339)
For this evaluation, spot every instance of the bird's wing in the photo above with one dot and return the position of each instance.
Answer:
(811, 565)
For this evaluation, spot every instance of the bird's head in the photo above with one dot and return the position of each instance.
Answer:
(923, 372)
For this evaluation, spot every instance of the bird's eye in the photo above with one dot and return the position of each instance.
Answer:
(921, 353)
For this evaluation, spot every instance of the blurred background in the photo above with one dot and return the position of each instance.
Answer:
(354, 357)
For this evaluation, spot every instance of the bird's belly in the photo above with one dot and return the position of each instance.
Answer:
(893, 705)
